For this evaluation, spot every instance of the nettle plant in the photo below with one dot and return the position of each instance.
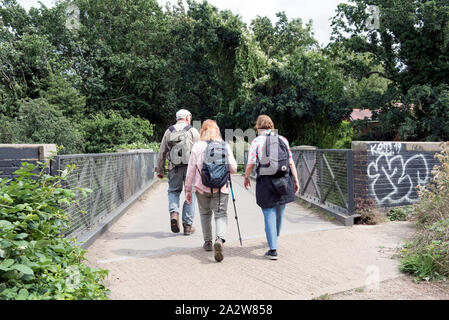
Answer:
(36, 260)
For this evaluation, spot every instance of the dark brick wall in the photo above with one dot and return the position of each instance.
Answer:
(12, 156)
(360, 178)
(389, 172)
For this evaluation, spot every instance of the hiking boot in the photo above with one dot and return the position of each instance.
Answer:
(271, 254)
(174, 221)
(218, 248)
(207, 245)
(188, 229)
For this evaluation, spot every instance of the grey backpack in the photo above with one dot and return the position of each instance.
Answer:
(179, 146)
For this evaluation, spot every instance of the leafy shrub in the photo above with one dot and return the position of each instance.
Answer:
(397, 214)
(6, 129)
(41, 122)
(104, 132)
(427, 256)
(369, 214)
(36, 261)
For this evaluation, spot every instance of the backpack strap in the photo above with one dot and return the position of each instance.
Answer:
(185, 129)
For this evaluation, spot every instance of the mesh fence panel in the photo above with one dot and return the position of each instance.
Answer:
(326, 177)
(113, 178)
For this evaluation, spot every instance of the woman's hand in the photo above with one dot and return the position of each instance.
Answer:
(189, 197)
(296, 186)
(247, 183)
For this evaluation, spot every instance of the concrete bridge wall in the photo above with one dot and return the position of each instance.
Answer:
(13, 155)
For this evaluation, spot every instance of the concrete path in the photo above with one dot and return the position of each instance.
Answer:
(147, 261)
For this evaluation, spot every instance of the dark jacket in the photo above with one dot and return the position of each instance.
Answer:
(266, 195)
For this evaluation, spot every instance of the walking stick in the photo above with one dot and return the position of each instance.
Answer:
(235, 210)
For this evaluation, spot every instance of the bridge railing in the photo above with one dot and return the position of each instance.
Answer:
(326, 179)
(116, 181)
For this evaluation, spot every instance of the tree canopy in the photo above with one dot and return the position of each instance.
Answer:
(408, 48)
(134, 62)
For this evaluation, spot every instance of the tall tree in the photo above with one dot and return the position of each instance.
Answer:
(410, 43)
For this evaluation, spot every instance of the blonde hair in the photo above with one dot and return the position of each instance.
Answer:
(210, 131)
(264, 122)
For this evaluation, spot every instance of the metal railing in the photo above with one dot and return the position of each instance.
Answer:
(116, 180)
(326, 179)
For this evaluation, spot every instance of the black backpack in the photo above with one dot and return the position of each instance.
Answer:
(215, 171)
(274, 182)
(275, 158)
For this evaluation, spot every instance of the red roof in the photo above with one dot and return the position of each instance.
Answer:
(361, 114)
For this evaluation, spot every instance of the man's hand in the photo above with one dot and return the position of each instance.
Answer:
(189, 197)
(247, 183)
(160, 175)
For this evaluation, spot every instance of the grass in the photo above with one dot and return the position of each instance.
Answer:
(325, 296)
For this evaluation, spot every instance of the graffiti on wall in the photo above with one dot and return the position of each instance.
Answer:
(394, 174)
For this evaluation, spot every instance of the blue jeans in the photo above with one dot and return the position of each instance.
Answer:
(176, 179)
(273, 223)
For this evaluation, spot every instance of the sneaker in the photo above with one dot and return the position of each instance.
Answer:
(188, 229)
(271, 254)
(218, 248)
(174, 221)
(207, 245)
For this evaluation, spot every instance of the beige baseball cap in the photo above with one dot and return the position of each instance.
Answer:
(181, 114)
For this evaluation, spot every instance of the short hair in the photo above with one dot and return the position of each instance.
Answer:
(264, 122)
(210, 131)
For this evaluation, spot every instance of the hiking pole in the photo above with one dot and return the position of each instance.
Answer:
(235, 210)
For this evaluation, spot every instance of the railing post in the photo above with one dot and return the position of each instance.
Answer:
(350, 182)
(320, 178)
(55, 165)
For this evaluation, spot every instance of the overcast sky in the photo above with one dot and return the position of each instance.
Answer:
(320, 11)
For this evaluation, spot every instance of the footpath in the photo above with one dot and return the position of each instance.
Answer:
(317, 258)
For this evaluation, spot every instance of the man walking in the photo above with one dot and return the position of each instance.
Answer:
(176, 145)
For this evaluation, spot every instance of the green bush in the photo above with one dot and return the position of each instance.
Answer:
(427, 256)
(105, 132)
(41, 122)
(36, 261)
(397, 214)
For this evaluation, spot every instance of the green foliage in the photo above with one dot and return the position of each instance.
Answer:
(427, 256)
(199, 58)
(409, 51)
(37, 121)
(106, 131)
(36, 261)
(397, 214)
